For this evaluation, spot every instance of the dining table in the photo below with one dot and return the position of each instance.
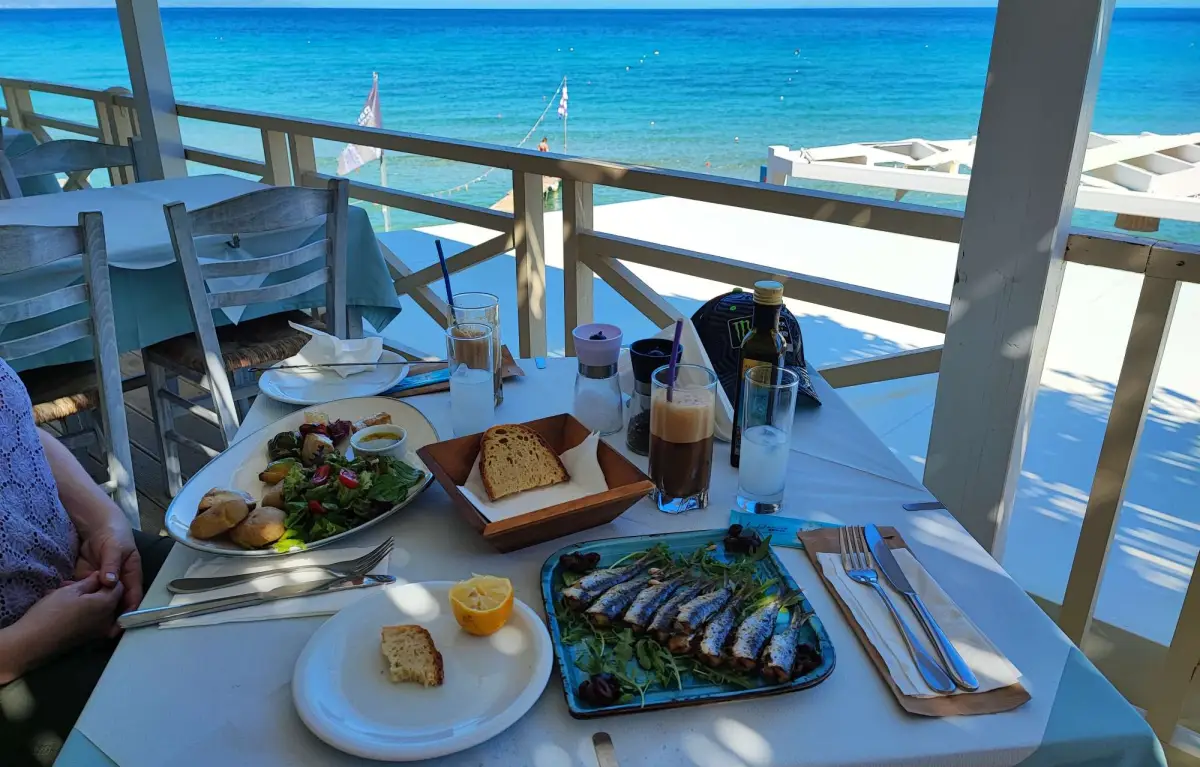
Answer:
(149, 296)
(221, 694)
(14, 142)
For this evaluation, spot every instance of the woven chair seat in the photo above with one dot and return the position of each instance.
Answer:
(60, 391)
(262, 341)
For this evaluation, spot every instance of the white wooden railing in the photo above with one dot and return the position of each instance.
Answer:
(289, 157)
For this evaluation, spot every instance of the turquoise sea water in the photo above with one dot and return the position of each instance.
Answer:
(676, 89)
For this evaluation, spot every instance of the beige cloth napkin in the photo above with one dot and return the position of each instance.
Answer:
(320, 604)
(587, 478)
(324, 349)
(990, 666)
(693, 354)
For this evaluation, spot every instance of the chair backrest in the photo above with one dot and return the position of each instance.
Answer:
(9, 188)
(74, 157)
(266, 210)
(24, 248)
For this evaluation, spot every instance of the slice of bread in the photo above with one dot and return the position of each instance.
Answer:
(411, 655)
(514, 458)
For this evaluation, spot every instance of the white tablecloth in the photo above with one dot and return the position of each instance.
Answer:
(221, 694)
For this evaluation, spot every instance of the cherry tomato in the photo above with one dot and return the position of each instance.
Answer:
(322, 474)
(348, 479)
(316, 508)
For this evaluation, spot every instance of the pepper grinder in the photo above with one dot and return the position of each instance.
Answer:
(646, 356)
(597, 388)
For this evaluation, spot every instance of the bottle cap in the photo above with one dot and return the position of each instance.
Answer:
(768, 293)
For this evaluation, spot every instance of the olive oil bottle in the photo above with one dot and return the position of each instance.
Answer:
(763, 345)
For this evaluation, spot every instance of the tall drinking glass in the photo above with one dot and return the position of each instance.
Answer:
(483, 308)
(681, 436)
(768, 408)
(469, 354)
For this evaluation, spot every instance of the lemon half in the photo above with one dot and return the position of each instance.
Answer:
(482, 604)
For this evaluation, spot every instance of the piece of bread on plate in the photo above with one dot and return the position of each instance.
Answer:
(515, 458)
(411, 655)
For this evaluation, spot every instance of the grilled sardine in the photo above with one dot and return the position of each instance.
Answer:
(595, 583)
(613, 602)
(660, 626)
(716, 633)
(753, 633)
(779, 659)
(641, 612)
(694, 614)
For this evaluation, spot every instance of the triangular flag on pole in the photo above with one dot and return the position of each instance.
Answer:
(354, 156)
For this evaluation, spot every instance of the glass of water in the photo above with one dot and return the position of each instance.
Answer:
(483, 308)
(768, 408)
(472, 393)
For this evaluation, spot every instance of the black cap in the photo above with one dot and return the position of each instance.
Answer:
(649, 354)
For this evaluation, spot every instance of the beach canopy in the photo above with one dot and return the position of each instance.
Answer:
(1141, 178)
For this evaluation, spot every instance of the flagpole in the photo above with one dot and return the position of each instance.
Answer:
(564, 122)
(387, 213)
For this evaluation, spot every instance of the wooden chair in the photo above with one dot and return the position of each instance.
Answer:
(74, 157)
(208, 357)
(63, 391)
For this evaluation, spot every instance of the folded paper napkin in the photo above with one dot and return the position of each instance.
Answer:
(324, 349)
(298, 607)
(583, 468)
(990, 666)
(693, 354)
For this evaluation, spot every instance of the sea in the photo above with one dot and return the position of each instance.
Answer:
(698, 90)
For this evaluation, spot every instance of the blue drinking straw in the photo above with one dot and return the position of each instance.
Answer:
(445, 273)
(674, 356)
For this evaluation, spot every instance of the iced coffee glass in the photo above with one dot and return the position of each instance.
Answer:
(681, 436)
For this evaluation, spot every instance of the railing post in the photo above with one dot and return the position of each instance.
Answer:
(304, 159)
(577, 276)
(1174, 680)
(18, 102)
(1131, 401)
(275, 152)
(153, 94)
(529, 235)
(121, 129)
(1041, 88)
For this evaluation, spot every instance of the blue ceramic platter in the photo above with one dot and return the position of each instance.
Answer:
(695, 691)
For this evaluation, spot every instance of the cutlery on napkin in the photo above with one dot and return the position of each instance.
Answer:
(992, 669)
(317, 604)
(325, 349)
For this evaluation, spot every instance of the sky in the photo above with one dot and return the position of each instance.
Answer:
(560, 4)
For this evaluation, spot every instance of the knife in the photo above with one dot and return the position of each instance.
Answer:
(155, 615)
(959, 671)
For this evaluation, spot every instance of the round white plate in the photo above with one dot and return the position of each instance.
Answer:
(343, 694)
(310, 387)
(239, 465)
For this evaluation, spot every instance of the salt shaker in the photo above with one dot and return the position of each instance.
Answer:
(597, 388)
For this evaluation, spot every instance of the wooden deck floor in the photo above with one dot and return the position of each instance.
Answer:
(147, 465)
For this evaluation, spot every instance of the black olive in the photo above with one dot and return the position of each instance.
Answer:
(734, 531)
(579, 563)
(597, 336)
(600, 690)
(753, 540)
(807, 660)
(736, 545)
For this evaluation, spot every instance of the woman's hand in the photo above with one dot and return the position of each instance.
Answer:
(109, 553)
(65, 618)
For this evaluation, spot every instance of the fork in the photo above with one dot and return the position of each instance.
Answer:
(348, 569)
(860, 566)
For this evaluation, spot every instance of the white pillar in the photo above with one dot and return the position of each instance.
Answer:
(161, 149)
(779, 165)
(1037, 110)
